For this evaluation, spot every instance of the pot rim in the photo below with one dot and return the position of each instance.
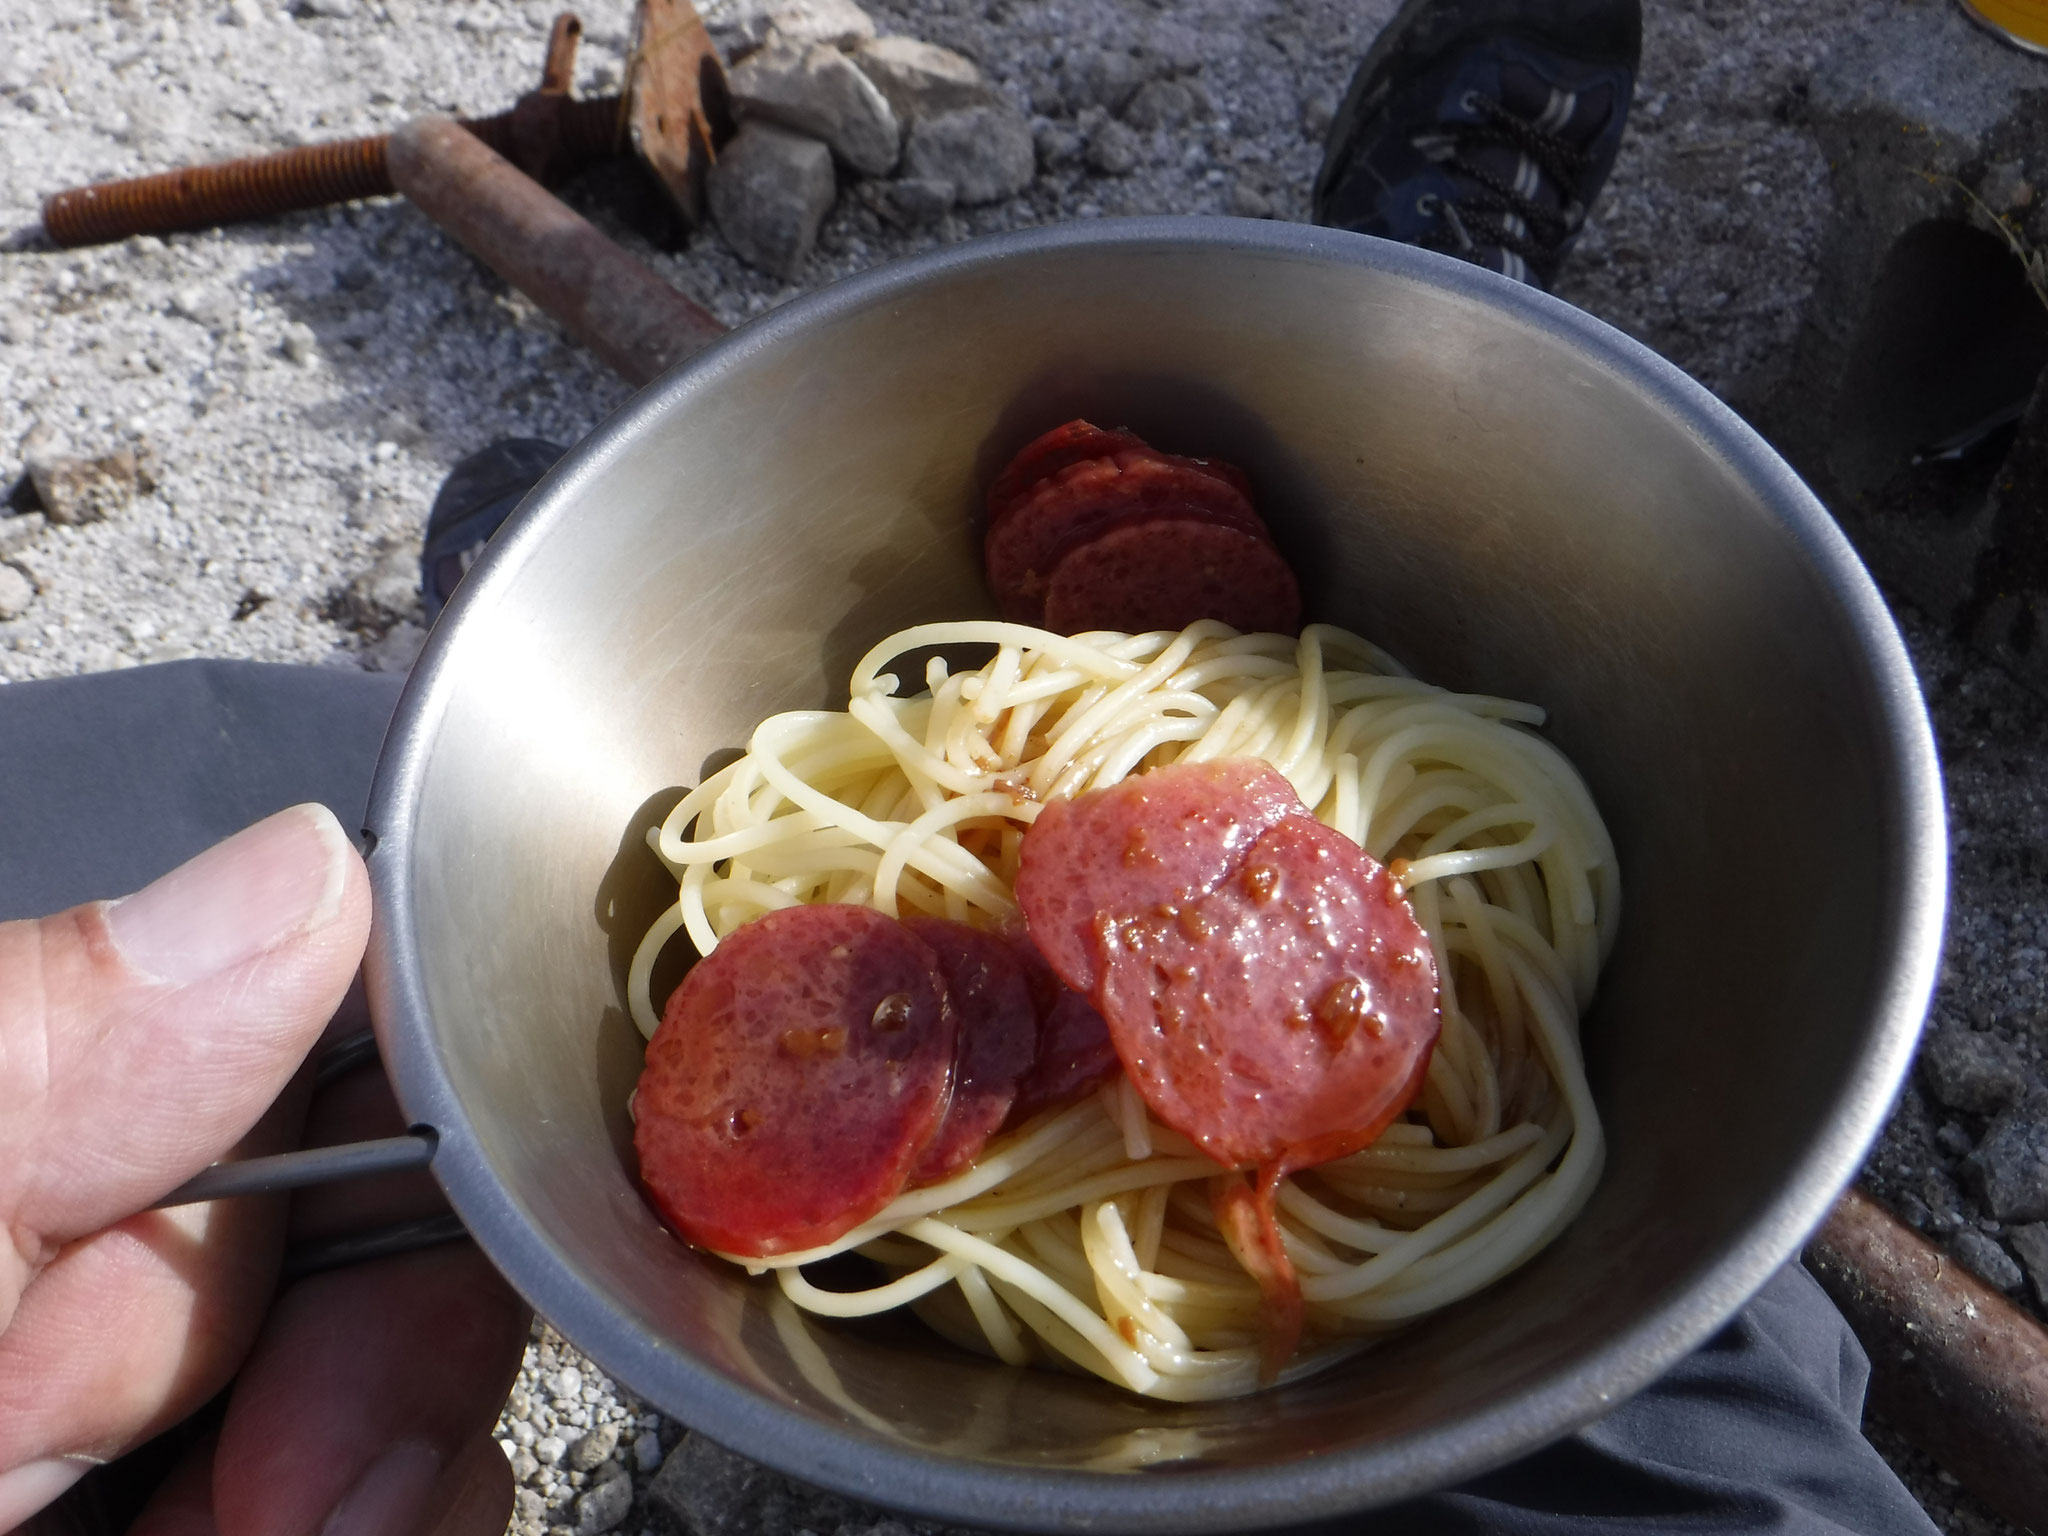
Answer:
(855, 1463)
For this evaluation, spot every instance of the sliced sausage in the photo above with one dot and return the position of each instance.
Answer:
(1074, 1049)
(998, 1040)
(799, 1073)
(1166, 572)
(1043, 457)
(1155, 840)
(1286, 1014)
(1087, 500)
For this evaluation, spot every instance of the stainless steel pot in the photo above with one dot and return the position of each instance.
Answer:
(1506, 493)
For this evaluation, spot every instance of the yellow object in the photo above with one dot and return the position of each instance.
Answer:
(2023, 22)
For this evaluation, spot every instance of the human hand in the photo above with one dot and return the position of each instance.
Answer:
(141, 1040)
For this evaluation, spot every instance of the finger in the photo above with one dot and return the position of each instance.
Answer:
(362, 1397)
(128, 1330)
(140, 1039)
(183, 1505)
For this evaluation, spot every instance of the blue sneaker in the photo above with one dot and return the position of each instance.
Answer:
(1484, 128)
(472, 504)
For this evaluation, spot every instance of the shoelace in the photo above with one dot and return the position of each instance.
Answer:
(1496, 213)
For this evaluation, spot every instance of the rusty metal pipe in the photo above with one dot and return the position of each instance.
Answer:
(611, 302)
(1956, 1367)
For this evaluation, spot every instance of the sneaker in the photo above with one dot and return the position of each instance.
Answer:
(1484, 128)
(472, 504)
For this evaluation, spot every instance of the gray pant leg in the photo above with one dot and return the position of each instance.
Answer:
(107, 781)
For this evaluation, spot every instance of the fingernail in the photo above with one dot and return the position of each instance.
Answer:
(391, 1495)
(236, 900)
(36, 1485)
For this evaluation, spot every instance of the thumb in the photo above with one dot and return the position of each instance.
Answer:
(140, 1039)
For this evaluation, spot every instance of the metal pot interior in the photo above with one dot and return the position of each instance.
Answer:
(1507, 495)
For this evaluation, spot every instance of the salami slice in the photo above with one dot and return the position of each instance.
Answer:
(799, 1073)
(1166, 572)
(1043, 457)
(998, 1042)
(1157, 840)
(1285, 1015)
(1087, 500)
(1074, 1049)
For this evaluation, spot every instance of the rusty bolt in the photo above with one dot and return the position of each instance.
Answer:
(674, 80)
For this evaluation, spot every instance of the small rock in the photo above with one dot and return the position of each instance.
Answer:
(923, 79)
(1056, 146)
(331, 10)
(525, 1468)
(604, 1506)
(1977, 1073)
(299, 344)
(592, 1449)
(2004, 187)
(1105, 78)
(1913, 1212)
(1953, 1140)
(569, 1381)
(527, 1504)
(17, 592)
(2030, 1242)
(2009, 1170)
(18, 532)
(75, 491)
(1944, 1204)
(769, 191)
(549, 1450)
(519, 1404)
(1160, 104)
(816, 89)
(1112, 149)
(1986, 1260)
(383, 595)
(1248, 202)
(984, 153)
(523, 1433)
(1318, 110)
(738, 28)
(910, 202)
(647, 1452)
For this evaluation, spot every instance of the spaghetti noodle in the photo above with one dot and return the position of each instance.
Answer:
(1085, 1237)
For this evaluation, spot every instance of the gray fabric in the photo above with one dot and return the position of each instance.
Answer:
(109, 780)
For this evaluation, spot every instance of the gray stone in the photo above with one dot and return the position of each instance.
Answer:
(769, 192)
(647, 1452)
(594, 1448)
(1102, 77)
(1112, 149)
(741, 26)
(1056, 145)
(602, 1507)
(74, 491)
(1248, 202)
(1953, 1140)
(910, 202)
(548, 1450)
(1977, 1073)
(923, 79)
(527, 1504)
(2030, 1242)
(1944, 1203)
(1160, 104)
(2009, 1170)
(524, 1467)
(20, 531)
(707, 1490)
(816, 90)
(383, 595)
(17, 592)
(1986, 1260)
(984, 153)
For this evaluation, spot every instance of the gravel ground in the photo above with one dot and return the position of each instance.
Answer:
(292, 393)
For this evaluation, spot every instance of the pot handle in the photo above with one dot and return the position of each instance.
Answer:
(296, 1170)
